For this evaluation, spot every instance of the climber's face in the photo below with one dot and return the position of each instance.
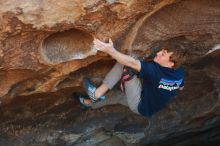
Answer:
(163, 58)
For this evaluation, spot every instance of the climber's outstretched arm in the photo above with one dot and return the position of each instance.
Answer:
(120, 57)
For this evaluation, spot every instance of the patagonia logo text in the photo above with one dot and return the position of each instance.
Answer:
(169, 84)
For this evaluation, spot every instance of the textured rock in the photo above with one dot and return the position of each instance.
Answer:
(46, 49)
(8, 140)
(66, 46)
(23, 21)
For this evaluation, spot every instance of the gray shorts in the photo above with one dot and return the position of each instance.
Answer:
(133, 90)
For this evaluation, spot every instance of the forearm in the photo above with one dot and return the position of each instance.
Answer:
(123, 59)
(120, 57)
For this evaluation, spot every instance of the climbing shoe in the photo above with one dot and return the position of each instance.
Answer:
(80, 98)
(90, 90)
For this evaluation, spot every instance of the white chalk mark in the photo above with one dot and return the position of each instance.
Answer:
(216, 47)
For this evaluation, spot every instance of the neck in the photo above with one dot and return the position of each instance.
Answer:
(167, 64)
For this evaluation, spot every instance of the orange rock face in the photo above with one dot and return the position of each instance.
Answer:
(49, 38)
(52, 39)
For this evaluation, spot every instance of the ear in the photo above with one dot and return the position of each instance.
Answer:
(171, 64)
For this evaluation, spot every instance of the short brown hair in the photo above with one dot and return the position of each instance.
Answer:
(179, 52)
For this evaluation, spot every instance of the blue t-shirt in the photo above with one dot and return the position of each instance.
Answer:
(159, 86)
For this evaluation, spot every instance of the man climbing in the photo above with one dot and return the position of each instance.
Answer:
(161, 78)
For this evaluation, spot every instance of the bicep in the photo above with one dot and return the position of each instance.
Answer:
(148, 71)
(136, 65)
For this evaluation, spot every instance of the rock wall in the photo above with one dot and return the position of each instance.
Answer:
(26, 26)
(46, 49)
